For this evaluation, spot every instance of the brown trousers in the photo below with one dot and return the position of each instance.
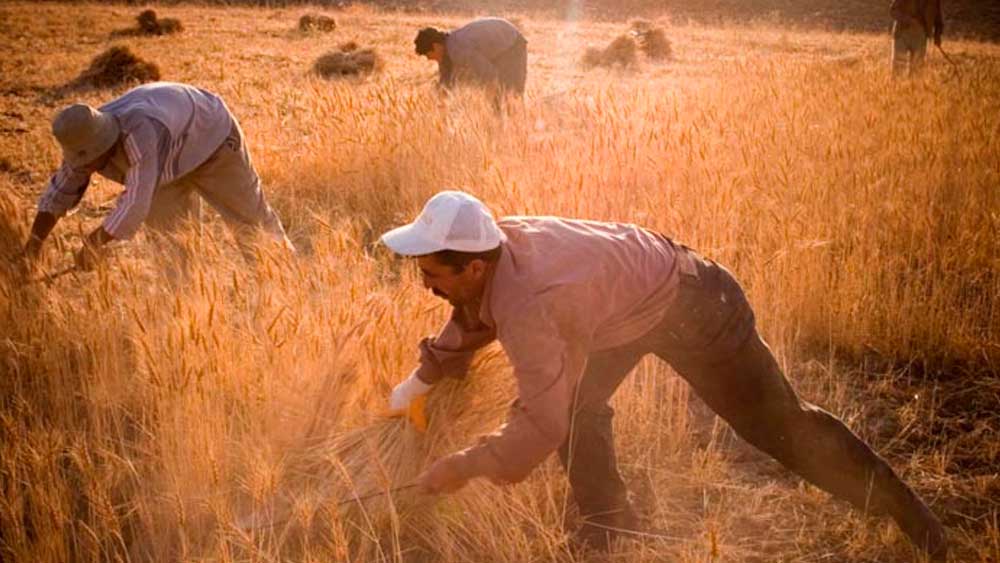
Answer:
(710, 339)
(229, 183)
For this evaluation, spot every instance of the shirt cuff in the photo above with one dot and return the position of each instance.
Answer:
(428, 371)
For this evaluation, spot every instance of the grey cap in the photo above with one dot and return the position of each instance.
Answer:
(84, 133)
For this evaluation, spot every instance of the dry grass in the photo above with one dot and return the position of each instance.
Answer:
(116, 66)
(228, 418)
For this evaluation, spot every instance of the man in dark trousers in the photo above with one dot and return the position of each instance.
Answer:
(575, 305)
(488, 51)
(915, 21)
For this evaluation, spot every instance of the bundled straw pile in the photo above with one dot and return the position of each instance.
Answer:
(652, 40)
(621, 51)
(118, 65)
(149, 24)
(313, 22)
(348, 60)
(361, 477)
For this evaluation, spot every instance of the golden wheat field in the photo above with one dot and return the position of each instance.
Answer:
(236, 414)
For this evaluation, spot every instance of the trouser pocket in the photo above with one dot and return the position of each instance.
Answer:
(711, 319)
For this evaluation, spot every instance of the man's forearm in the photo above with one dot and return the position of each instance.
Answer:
(41, 227)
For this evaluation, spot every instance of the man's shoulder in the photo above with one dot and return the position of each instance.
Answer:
(486, 23)
(140, 123)
(488, 30)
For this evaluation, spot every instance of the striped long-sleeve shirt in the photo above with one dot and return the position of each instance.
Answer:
(168, 130)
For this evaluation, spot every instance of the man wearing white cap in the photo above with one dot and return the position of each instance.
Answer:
(168, 143)
(575, 305)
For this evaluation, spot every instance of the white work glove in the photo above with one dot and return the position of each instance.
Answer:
(404, 393)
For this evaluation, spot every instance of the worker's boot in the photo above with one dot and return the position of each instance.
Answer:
(597, 532)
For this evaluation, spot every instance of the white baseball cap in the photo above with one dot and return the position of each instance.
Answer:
(451, 220)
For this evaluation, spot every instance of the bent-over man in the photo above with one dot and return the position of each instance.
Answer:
(575, 305)
(488, 51)
(169, 144)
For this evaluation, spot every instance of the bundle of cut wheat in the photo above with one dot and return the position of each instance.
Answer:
(117, 65)
(314, 22)
(347, 61)
(363, 477)
(654, 43)
(621, 51)
(150, 24)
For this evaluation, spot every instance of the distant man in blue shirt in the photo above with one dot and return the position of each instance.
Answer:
(489, 51)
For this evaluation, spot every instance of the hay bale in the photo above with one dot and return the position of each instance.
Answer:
(313, 22)
(347, 63)
(117, 65)
(655, 45)
(621, 51)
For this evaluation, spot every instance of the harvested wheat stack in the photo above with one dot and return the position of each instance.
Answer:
(147, 22)
(313, 22)
(593, 57)
(170, 25)
(349, 46)
(363, 476)
(150, 24)
(654, 44)
(347, 63)
(621, 51)
(117, 65)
